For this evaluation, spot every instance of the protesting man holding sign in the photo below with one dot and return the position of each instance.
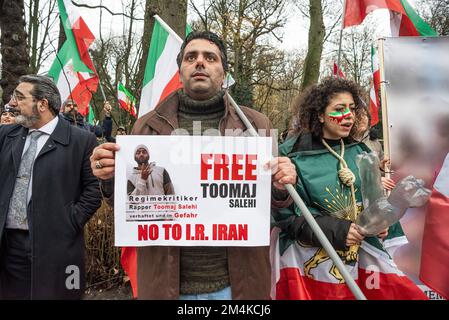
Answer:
(195, 272)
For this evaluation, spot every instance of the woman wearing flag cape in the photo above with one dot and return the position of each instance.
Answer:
(324, 152)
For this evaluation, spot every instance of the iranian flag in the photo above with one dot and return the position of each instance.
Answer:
(404, 20)
(307, 273)
(161, 72)
(434, 270)
(126, 100)
(409, 23)
(337, 71)
(73, 70)
(375, 88)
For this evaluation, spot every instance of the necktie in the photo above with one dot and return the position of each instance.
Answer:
(17, 216)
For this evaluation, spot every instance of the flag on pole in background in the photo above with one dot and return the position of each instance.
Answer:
(73, 70)
(374, 104)
(409, 23)
(404, 20)
(357, 10)
(337, 71)
(434, 271)
(161, 71)
(126, 100)
(91, 116)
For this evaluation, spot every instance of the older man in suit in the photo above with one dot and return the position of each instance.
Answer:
(47, 194)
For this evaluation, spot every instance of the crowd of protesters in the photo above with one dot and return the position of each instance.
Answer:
(34, 247)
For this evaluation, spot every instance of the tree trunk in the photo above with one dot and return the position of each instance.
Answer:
(33, 30)
(129, 42)
(315, 49)
(173, 12)
(13, 44)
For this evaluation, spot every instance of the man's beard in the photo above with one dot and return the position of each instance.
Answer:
(71, 114)
(29, 121)
(139, 162)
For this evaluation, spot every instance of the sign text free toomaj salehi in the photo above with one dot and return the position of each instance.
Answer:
(220, 197)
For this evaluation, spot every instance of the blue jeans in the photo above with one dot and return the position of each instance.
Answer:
(224, 294)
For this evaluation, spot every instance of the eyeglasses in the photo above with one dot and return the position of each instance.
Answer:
(8, 113)
(18, 98)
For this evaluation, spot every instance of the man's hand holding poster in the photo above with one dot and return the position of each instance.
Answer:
(192, 191)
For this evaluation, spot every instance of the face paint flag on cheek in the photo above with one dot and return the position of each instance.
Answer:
(340, 116)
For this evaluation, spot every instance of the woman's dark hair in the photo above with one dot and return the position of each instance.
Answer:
(312, 102)
(363, 111)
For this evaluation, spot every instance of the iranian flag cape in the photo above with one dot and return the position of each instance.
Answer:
(306, 272)
(73, 70)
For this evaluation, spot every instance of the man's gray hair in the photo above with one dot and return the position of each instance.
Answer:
(44, 88)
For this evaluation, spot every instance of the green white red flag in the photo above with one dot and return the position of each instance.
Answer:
(404, 20)
(375, 88)
(126, 100)
(73, 70)
(408, 22)
(337, 71)
(161, 72)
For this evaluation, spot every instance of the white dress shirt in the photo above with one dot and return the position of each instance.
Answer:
(47, 129)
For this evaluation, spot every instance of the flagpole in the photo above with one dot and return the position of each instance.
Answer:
(102, 91)
(104, 99)
(383, 102)
(341, 38)
(308, 216)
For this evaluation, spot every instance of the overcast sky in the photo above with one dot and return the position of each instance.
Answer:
(295, 32)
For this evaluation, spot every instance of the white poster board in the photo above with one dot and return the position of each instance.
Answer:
(220, 191)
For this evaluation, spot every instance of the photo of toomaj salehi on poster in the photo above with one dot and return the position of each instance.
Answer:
(192, 191)
(145, 178)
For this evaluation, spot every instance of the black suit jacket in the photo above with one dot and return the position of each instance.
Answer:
(65, 195)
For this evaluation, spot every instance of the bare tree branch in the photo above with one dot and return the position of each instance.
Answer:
(82, 5)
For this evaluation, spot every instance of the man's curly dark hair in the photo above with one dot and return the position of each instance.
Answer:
(314, 99)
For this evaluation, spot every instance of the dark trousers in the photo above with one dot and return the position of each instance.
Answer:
(15, 265)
